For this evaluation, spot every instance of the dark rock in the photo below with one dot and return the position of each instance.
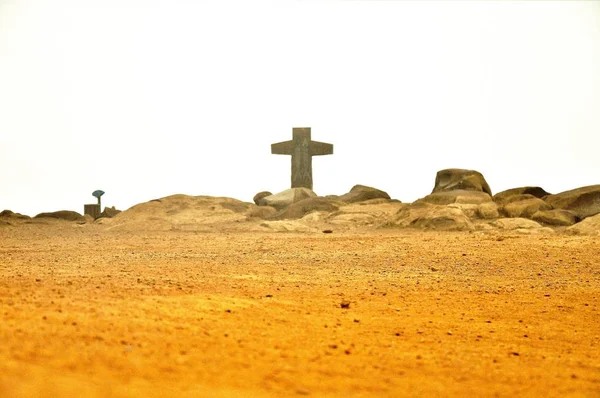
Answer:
(261, 195)
(66, 215)
(536, 192)
(583, 202)
(10, 214)
(360, 193)
(468, 180)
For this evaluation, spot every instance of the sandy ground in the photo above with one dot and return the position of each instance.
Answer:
(85, 312)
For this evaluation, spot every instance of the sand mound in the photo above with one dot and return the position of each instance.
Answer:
(187, 213)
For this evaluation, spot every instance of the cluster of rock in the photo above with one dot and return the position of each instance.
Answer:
(461, 200)
(8, 217)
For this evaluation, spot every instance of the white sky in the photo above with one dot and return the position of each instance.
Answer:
(144, 99)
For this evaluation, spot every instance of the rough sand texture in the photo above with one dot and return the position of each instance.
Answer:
(90, 312)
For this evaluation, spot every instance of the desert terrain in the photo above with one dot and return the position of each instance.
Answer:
(94, 309)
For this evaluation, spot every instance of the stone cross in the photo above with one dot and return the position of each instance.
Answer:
(302, 150)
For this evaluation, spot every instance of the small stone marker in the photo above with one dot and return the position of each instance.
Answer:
(302, 149)
(94, 210)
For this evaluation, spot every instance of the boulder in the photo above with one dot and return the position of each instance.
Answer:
(7, 214)
(109, 212)
(428, 216)
(260, 195)
(583, 202)
(515, 223)
(589, 226)
(66, 215)
(306, 206)
(283, 199)
(360, 193)
(558, 217)
(536, 192)
(525, 208)
(457, 196)
(468, 180)
(488, 211)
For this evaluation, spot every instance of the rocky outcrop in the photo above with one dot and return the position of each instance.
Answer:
(460, 179)
(361, 193)
(457, 196)
(535, 192)
(66, 215)
(556, 217)
(306, 206)
(515, 223)
(525, 208)
(488, 211)
(260, 195)
(589, 226)
(435, 217)
(109, 212)
(583, 202)
(7, 214)
(283, 199)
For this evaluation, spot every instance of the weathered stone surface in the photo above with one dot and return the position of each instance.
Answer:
(9, 214)
(306, 206)
(488, 211)
(589, 226)
(468, 180)
(66, 215)
(456, 196)
(428, 216)
(525, 208)
(109, 212)
(536, 192)
(287, 197)
(470, 210)
(302, 149)
(557, 217)
(360, 193)
(583, 202)
(503, 201)
(260, 195)
(515, 223)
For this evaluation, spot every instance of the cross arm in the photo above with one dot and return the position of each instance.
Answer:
(283, 148)
(320, 148)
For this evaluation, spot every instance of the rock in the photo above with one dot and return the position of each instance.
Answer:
(428, 216)
(66, 215)
(536, 192)
(7, 214)
(503, 201)
(515, 223)
(261, 195)
(583, 202)
(109, 212)
(557, 217)
(454, 179)
(470, 210)
(360, 193)
(306, 206)
(456, 196)
(488, 211)
(589, 226)
(525, 208)
(287, 197)
(288, 226)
